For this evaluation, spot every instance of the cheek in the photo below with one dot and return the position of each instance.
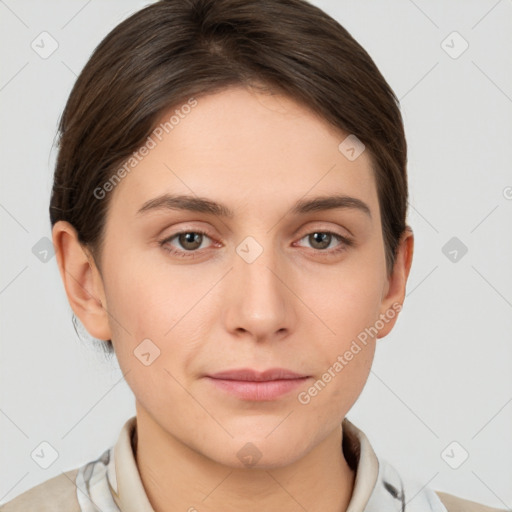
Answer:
(149, 325)
(350, 308)
(351, 302)
(155, 311)
(344, 359)
(145, 296)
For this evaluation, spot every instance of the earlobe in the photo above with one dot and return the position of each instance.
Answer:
(82, 280)
(395, 294)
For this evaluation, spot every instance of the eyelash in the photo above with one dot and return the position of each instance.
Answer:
(345, 242)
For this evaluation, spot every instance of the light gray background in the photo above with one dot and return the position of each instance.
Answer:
(444, 373)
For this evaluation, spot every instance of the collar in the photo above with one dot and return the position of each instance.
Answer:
(112, 482)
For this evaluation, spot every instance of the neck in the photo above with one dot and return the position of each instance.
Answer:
(176, 477)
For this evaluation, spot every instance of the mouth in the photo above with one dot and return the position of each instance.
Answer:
(253, 385)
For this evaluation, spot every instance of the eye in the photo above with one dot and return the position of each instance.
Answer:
(321, 240)
(190, 241)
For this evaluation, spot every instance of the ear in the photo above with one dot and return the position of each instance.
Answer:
(82, 280)
(394, 293)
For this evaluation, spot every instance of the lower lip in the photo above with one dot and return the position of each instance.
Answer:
(257, 391)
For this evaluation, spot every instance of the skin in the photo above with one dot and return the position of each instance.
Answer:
(293, 307)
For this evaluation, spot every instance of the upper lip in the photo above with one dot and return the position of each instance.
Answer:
(249, 374)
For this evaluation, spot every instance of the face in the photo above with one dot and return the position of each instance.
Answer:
(254, 327)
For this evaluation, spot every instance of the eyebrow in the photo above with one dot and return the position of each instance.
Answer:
(203, 205)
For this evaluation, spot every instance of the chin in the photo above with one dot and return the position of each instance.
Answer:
(257, 449)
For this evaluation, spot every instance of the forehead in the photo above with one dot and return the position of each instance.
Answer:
(239, 146)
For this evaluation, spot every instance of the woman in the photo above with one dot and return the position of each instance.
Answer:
(229, 216)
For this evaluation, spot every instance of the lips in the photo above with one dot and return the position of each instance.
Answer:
(249, 384)
(256, 376)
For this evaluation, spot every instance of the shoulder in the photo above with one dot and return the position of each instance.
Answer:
(456, 504)
(58, 494)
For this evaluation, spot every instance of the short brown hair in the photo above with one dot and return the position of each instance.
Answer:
(176, 49)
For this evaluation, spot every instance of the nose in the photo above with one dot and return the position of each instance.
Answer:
(260, 303)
